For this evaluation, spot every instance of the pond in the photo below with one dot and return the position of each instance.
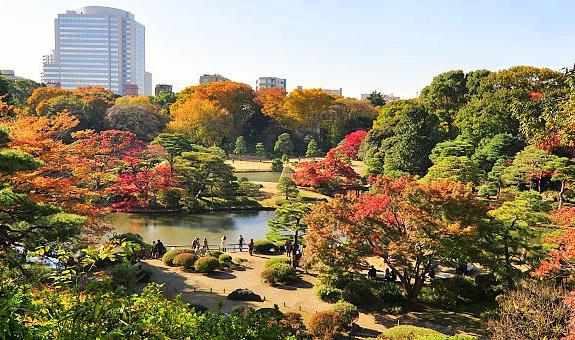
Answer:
(181, 229)
(255, 176)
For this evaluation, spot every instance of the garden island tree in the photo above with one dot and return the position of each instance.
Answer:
(289, 224)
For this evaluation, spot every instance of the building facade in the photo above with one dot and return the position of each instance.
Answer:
(162, 88)
(338, 92)
(10, 74)
(98, 46)
(210, 78)
(270, 82)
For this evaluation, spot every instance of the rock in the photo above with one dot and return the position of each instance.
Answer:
(243, 294)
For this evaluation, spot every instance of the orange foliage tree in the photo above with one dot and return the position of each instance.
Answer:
(411, 226)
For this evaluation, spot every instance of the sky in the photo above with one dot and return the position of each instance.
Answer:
(358, 45)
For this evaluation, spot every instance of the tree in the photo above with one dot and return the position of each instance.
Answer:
(460, 168)
(458, 147)
(508, 236)
(536, 310)
(328, 175)
(241, 147)
(528, 167)
(502, 145)
(261, 150)
(284, 144)
(312, 149)
(307, 109)
(376, 99)
(286, 186)
(559, 264)
(272, 101)
(347, 115)
(349, 147)
(140, 117)
(290, 219)
(202, 121)
(164, 100)
(563, 171)
(398, 221)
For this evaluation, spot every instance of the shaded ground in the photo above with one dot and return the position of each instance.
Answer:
(211, 291)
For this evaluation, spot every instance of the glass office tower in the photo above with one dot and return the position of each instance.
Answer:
(98, 46)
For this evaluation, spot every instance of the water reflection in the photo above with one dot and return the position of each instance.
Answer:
(183, 228)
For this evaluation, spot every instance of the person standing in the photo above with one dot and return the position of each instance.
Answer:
(206, 247)
(241, 243)
(251, 247)
(224, 243)
(154, 250)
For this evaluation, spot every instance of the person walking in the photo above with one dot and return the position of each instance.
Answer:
(161, 248)
(241, 243)
(224, 243)
(206, 247)
(288, 248)
(154, 249)
(251, 247)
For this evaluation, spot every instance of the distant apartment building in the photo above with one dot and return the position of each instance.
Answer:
(99, 46)
(162, 88)
(210, 78)
(9, 74)
(386, 97)
(334, 92)
(270, 82)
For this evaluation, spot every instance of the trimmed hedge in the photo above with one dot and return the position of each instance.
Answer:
(225, 259)
(347, 312)
(185, 260)
(276, 260)
(325, 325)
(168, 257)
(328, 293)
(206, 264)
(449, 293)
(406, 332)
(264, 247)
(215, 253)
(279, 273)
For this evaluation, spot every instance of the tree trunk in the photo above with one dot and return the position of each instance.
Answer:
(508, 278)
(294, 250)
(561, 193)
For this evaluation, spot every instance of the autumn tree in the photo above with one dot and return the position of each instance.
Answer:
(349, 146)
(347, 115)
(202, 121)
(289, 223)
(398, 221)
(272, 101)
(328, 175)
(308, 110)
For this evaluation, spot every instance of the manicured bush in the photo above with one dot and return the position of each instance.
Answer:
(168, 257)
(264, 247)
(347, 312)
(225, 259)
(449, 293)
(325, 325)
(276, 260)
(215, 253)
(389, 293)
(185, 260)
(328, 293)
(358, 293)
(277, 165)
(279, 273)
(407, 332)
(206, 264)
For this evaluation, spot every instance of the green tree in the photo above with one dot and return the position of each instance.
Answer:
(376, 99)
(175, 144)
(241, 147)
(460, 168)
(312, 149)
(509, 236)
(502, 145)
(289, 224)
(286, 186)
(528, 168)
(283, 145)
(458, 147)
(261, 150)
(140, 118)
(563, 171)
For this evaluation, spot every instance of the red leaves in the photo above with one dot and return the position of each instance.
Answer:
(350, 146)
(535, 95)
(561, 261)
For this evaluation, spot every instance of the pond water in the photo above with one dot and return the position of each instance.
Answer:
(255, 176)
(181, 229)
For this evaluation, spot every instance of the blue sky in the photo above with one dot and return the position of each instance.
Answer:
(392, 46)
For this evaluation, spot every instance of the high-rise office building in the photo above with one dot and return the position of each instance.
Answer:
(98, 46)
(270, 82)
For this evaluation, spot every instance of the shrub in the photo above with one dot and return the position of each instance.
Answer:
(488, 284)
(215, 253)
(185, 260)
(347, 312)
(325, 325)
(389, 293)
(168, 257)
(277, 165)
(406, 332)
(264, 247)
(206, 264)
(279, 273)
(276, 260)
(124, 275)
(328, 293)
(225, 259)
(449, 293)
(358, 293)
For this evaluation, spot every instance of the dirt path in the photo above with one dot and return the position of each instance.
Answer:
(289, 299)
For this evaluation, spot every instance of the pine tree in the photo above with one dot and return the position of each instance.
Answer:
(241, 147)
(261, 150)
(312, 150)
(284, 145)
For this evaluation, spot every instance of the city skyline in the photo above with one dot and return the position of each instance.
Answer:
(317, 44)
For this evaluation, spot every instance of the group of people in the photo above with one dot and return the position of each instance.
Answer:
(289, 250)
(390, 275)
(241, 244)
(158, 249)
